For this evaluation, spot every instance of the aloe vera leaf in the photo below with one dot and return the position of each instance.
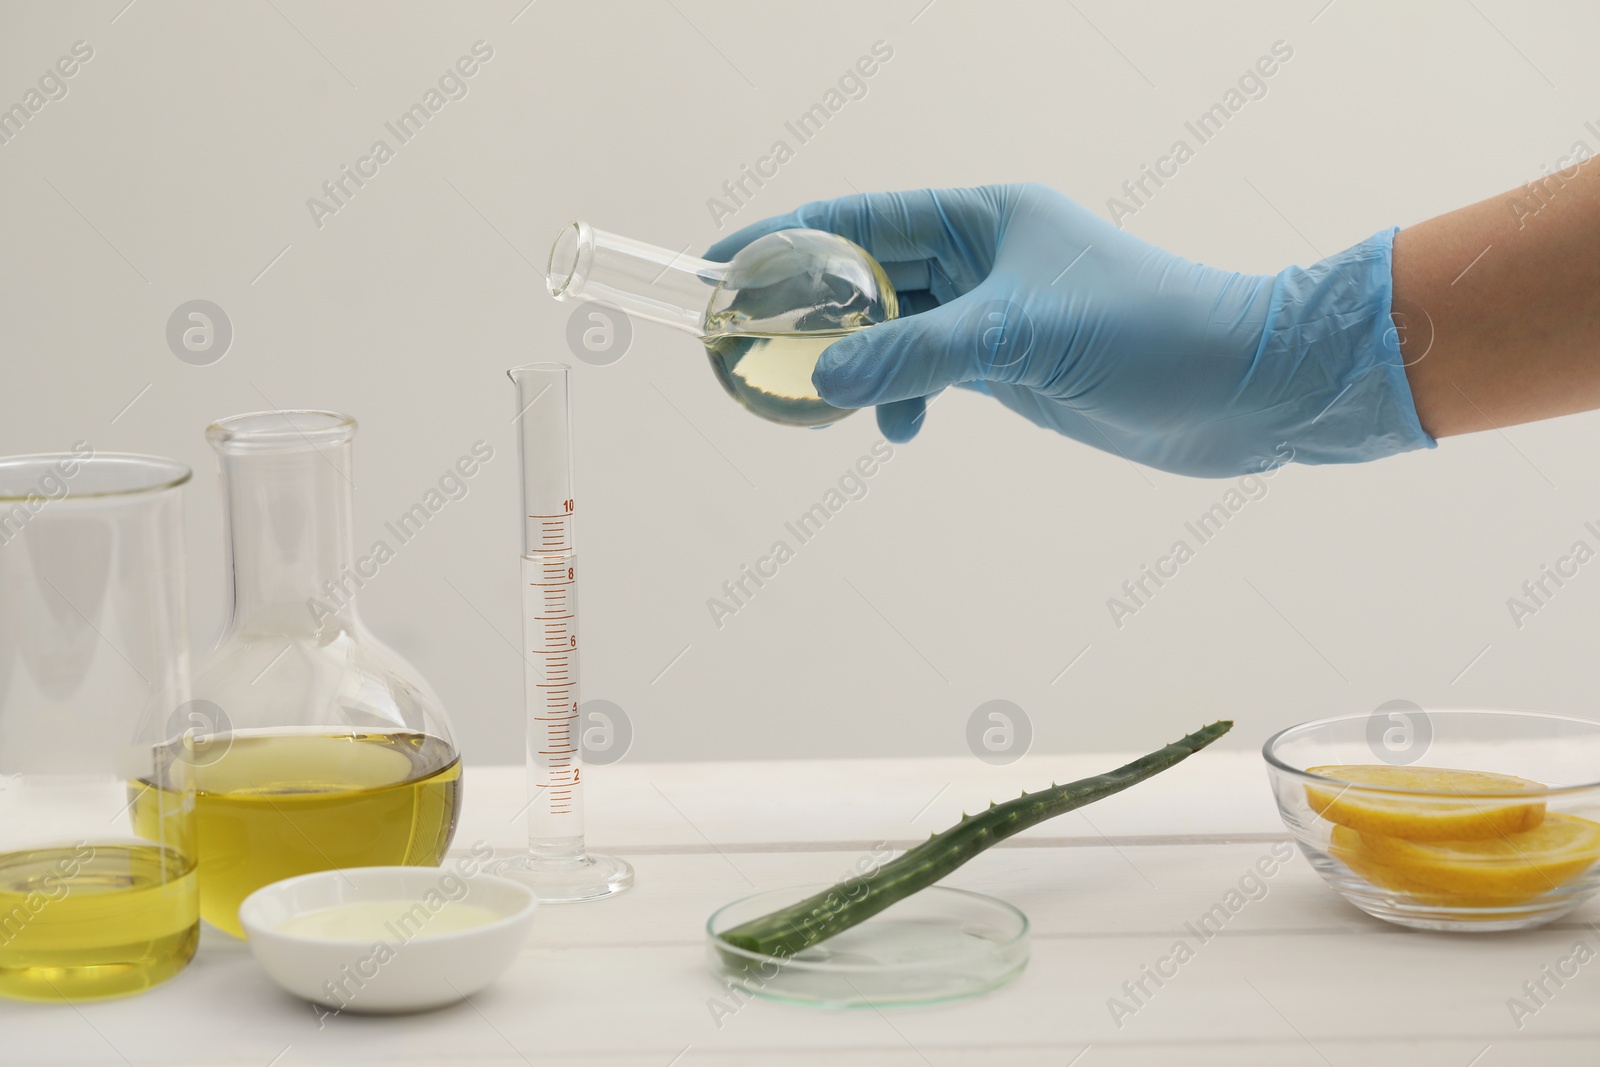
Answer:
(791, 930)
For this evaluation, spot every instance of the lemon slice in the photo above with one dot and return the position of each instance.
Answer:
(1456, 811)
(1474, 874)
(1350, 848)
(1497, 870)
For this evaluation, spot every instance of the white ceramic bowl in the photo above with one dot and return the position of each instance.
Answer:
(408, 967)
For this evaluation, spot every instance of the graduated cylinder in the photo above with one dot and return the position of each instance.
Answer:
(549, 610)
(556, 863)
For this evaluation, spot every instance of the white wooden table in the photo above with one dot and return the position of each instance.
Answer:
(1296, 976)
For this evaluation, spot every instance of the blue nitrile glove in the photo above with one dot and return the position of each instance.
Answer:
(1087, 330)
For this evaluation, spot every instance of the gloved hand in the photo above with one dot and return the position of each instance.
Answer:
(1087, 330)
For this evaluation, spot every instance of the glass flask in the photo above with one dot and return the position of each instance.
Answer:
(98, 892)
(330, 750)
(764, 317)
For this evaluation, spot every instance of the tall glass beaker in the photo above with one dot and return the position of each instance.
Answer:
(98, 893)
(330, 750)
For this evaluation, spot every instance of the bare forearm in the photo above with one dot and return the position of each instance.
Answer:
(1499, 306)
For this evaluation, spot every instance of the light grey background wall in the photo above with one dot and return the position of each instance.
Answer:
(179, 164)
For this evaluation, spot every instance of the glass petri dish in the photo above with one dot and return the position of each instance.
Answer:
(938, 945)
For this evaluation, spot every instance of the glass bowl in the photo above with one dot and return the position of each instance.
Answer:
(1443, 852)
(936, 945)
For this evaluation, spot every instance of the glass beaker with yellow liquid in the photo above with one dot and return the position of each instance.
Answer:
(324, 748)
(764, 317)
(94, 674)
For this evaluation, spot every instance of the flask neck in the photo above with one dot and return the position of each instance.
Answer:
(672, 288)
(288, 508)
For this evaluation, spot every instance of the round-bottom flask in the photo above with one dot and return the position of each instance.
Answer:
(318, 746)
(765, 316)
